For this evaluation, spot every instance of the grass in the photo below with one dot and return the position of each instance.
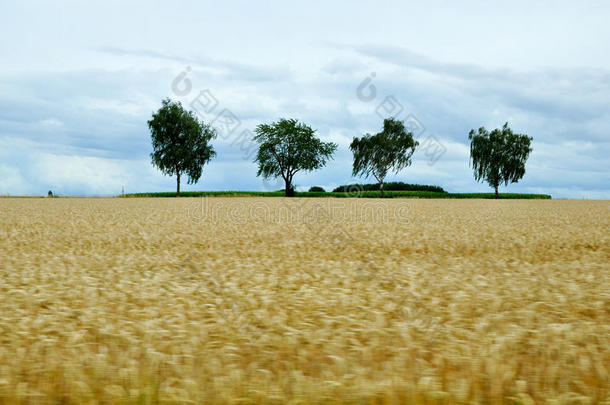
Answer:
(259, 301)
(361, 194)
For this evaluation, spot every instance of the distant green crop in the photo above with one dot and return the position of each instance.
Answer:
(362, 194)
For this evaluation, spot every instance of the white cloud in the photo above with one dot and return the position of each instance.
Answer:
(75, 97)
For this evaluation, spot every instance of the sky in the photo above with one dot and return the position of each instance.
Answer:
(79, 80)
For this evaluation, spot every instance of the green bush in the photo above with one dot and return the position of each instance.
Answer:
(317, 189)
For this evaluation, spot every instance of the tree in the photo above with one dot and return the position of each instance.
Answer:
(287, 147)
(388, 150)
(498, 156)
(181, 143)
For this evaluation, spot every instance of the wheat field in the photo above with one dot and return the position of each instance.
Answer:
(274, 300)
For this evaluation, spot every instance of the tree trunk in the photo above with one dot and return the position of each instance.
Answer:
(496, 186)
(288, 191)
(178, 185)
(381, 188)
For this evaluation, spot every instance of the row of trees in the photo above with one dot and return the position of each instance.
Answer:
(182, 146)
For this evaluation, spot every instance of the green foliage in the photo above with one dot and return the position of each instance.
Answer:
(211, 194)
(181, 144)
(364, 194)
(394, 186)
(433, 194)
(287, 147)
(389, 150)
(50, 194)
(498, 156)
(508, 196)
(316, 189)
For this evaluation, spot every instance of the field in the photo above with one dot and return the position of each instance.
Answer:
(351, 194)
(306, 300)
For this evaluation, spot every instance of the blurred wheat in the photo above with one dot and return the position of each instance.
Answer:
(148, 301)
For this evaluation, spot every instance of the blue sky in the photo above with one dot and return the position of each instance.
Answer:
(79, 80)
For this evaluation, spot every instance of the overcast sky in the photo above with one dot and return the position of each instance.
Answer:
(79, 80)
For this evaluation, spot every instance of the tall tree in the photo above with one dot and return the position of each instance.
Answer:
(498, 156)
(388, 150)
(287, 147)
(181, 143)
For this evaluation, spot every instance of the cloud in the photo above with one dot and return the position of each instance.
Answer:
(227, 69)
(75, 118)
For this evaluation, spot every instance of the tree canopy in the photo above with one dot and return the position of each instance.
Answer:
(181, 143)
(388, 150)
(498, 156)
(287, 147)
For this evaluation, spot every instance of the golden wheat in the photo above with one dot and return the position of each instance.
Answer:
(273, 300)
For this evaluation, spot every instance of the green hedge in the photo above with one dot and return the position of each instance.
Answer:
(390, 186)
(362, 194)
(211, 194)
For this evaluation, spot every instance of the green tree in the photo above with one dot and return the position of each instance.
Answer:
(181, 143)
(287, 147)
(388, 150)
(498, 156)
